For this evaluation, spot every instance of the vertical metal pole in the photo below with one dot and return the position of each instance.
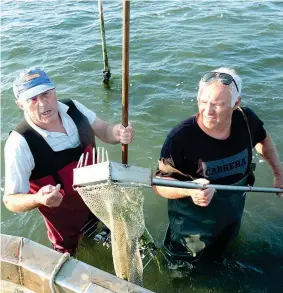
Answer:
(125, 73)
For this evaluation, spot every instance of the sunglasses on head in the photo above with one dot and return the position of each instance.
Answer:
(225, 78)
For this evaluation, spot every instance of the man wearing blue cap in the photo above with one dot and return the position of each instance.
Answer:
(43, 150)
(214, 146)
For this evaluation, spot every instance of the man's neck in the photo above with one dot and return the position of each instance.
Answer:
(222, 132)
(54, 126)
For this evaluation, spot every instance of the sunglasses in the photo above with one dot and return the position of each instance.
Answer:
(225, 78)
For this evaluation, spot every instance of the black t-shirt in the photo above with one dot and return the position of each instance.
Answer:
(198, 155)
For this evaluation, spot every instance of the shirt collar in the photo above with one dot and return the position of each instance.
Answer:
(62, 110)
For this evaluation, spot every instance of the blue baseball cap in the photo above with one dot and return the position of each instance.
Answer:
(30, 83)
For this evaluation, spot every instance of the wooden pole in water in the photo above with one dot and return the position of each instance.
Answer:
(106, 71)
(125, 73)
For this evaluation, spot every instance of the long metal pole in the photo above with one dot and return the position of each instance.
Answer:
(106, 71)
(125, 73)
(192, 185)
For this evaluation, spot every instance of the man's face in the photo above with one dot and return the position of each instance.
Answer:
(42, 109)
(214, 105)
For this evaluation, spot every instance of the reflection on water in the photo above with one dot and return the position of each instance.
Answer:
(172, 44)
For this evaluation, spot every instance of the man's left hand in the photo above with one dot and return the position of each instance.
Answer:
(123, 134)
(278, 183)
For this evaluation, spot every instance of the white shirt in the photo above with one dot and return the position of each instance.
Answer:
(19, 161)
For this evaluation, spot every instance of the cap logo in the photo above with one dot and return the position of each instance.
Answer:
(30, 77)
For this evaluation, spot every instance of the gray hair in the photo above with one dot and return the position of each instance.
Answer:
(234, 93)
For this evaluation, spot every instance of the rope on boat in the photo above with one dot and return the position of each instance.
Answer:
(20, 259)
(56, 269)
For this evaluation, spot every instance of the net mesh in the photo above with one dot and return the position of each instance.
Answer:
(120, 208)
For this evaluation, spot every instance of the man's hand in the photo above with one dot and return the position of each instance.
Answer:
(123, 134)
(278, 182)
(202, 197)
(50, 196)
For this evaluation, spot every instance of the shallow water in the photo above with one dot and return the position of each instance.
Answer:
(172, 44)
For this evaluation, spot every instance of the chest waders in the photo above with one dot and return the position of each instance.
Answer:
(63, 223)
(193, 228)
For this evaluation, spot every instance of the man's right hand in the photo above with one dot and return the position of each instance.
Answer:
(50, 196)
(202, 197)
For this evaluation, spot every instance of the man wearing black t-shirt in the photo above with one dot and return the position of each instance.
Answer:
(213, 146)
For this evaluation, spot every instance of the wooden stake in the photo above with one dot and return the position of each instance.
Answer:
(106, 71)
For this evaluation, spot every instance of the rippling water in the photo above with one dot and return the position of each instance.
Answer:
(172, 44)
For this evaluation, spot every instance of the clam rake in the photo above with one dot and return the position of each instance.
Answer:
(107, 172)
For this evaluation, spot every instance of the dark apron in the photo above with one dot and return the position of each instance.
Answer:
(193, 228)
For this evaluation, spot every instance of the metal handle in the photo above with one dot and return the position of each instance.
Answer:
(192, 185)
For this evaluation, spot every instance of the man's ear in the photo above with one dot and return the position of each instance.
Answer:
(237, 103)
(19, 104)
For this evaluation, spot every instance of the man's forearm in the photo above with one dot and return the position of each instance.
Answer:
(104, 131)
(171, 192)
(109, 134)
(21, 202)
(267, 149)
